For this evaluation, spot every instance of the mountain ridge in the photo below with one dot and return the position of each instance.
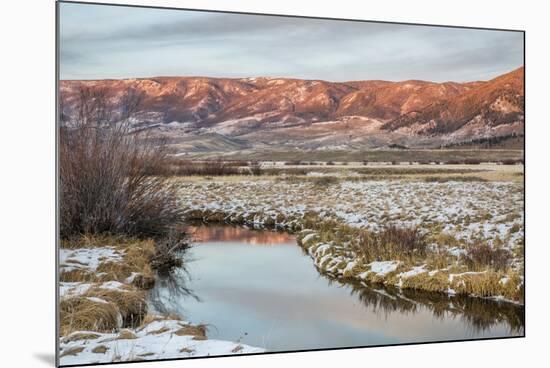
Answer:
(250, 108)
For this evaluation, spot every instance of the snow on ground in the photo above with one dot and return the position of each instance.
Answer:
(86, 258)
(157, 340)
(384, 267)
(73, 288)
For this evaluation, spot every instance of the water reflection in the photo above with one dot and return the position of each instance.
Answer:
(272, 296)
(204, 234)
(170, 288)
(480, 314)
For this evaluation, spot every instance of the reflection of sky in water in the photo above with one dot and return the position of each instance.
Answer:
(275, 296)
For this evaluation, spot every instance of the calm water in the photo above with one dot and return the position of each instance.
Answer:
(259, 288)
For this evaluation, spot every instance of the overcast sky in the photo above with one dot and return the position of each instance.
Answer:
(99, 42)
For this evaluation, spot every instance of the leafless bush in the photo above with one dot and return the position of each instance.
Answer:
(392, 243)
(454, 162)
(294, 163)
(105, 184)
(324, 181)
(168, 252)
(201, 168)
(482, 255)
(255, 168)
(472, 161)
(511, 162)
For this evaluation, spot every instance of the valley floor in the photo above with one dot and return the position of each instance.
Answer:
(332, 214)
(104, 281)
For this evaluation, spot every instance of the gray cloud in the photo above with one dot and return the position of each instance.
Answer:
(113, 42)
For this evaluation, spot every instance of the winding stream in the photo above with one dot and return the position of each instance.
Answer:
(259, 288)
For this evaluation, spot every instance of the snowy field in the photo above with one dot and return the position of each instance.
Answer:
(454, 215)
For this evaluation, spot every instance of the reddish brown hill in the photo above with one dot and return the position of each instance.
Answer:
(493, 103)
(244, 105)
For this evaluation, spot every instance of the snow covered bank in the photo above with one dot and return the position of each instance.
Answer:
(453, 215)
(159, 339)
(103, 309)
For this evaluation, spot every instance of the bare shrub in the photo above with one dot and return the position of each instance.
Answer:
(168, 252)
(392, 243)
(105, 164)
(255, 168)
(444, 179)
(472, 161)
(293, 163)
(511, 162)
(324, 181)
(481, 255)
(202, 168)
(453, 162)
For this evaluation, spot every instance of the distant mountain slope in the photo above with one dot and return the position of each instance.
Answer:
(493, 103)
(282, 109)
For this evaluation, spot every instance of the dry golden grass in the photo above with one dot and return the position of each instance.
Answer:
(101, 349)
(489, 284)
(126, 335)
(237, 348)
(463, 172)
(78, 275)
(439, 260)
(121, 308)
(146, 354)
(136, 259)
(97, 241)
(156, 318)
(132, 305)
(80, 313)
(159, 331)
(191, 330)
(71, 351)
(137, 255)
(437, 282)
(80, 336)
